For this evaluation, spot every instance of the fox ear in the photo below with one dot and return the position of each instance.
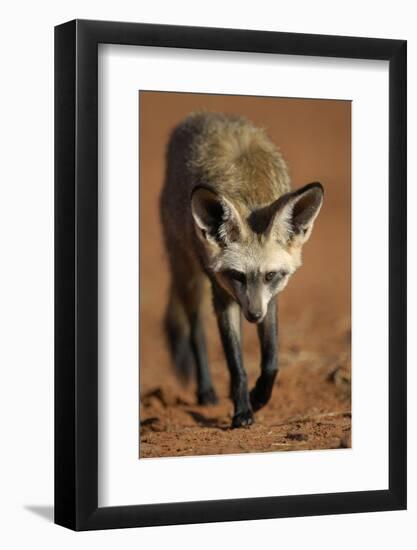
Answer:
(294, 213)
(216, 219)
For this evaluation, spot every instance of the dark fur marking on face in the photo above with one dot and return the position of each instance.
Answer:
(235, 275)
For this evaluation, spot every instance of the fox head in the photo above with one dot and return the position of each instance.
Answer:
(253, 256)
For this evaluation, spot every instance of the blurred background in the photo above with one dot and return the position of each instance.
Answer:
(310, 405)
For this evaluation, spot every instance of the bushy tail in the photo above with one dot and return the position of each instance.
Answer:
(177, 331)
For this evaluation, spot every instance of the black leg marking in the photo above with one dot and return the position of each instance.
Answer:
(206, 394)
(177, 331)
(229, 321)
(267, 332)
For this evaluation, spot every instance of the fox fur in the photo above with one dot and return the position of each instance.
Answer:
(229, 218)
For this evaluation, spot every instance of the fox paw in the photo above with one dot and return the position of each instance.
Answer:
(207, 397)
(244, 418)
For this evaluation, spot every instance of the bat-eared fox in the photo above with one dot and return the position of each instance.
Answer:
(229, 217)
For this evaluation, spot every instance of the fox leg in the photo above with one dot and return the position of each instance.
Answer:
(267, 332)
(229, 319)
(192, 294)
(177, 330)
(186, 335)
(205, 392)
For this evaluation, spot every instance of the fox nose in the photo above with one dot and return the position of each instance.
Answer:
(254, 316)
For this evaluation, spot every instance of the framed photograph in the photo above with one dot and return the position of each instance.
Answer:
(230, 254)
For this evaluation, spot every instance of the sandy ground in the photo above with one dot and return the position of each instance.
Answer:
(310, 406)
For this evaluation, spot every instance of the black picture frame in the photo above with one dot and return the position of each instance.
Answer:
(76, 272)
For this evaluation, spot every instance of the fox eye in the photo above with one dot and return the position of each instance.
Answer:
(275, 275)
(270, 276)
(237, 275)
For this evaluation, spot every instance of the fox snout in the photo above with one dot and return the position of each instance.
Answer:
(253, 308)
(254, 316)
